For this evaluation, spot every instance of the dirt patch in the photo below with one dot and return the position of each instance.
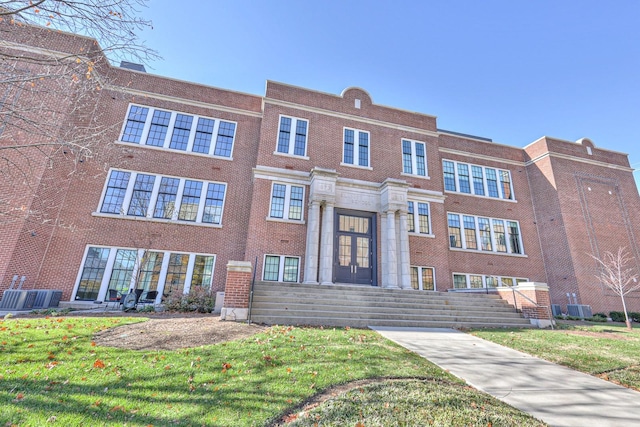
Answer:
(176, 331)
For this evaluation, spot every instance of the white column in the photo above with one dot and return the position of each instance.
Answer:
(404, 258)
(313, 243)
(326, 247)
(392, 259)
(383, 249)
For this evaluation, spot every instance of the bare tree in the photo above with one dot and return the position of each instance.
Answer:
(50, 88)
(616, 274)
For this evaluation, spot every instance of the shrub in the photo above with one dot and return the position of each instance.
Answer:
(198, 299)
(598, 317)
(634, 316)
(617, 316)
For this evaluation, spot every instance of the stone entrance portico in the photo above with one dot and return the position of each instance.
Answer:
(387, 200)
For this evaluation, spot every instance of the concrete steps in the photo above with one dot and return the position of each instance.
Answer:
(362, 306)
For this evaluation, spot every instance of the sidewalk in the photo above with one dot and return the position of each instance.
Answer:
(554, 394)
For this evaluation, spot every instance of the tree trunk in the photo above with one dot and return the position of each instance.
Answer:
(628, 322)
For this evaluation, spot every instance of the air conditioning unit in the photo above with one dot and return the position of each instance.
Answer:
(47, 299)
(579, 310)
(556, 309)
(18, 299)
(13, 299)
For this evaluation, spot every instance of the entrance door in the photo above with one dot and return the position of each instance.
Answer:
(354, 249)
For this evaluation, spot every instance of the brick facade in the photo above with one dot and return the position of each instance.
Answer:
(566, 199)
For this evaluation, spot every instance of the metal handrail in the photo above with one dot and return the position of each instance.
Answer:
(253, 281)
(515, 304)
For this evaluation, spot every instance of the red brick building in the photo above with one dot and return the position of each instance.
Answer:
(315, 187)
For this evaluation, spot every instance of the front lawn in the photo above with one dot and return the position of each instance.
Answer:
(607, 350)
(52, 373)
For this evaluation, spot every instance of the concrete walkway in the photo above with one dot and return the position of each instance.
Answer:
(554, 394)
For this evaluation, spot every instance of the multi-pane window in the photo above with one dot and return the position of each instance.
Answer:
(463, 178)
(477, 180)
(418, 223)
(123, 269)
(414, 158)
(203, 271)
(115, 192)
(422, 278)
(278, 268)
(135, 124)
(213, 203)
(153, 196)
(178, 131)
(514, 237)
(492, 182)
(286, 202)
(92, 275)
(190, 200)
(166, 201)
(491, 233)
(181, 131)
(292, 136)
(150, 269)
(176, 273)
(470, 231)
(142, 190)
(159, 127)
(485, 234)
(455, 237)
(356, 147)
(204, 134)
(481, 281)
(500, 238)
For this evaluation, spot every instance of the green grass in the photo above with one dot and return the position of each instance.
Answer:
(51, 373)
(606, 350)
(412, 403)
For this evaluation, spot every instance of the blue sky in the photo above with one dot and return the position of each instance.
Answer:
(511, 71)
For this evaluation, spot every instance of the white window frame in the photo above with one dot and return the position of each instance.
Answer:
(292, 137)
(287, 203)
(493, 236)
(102, 293)
(420, 283)
(154, 198)
(280, 267)
(356, 149)
(497, 278)
(416, 219)
(171, 127)
(414, 158)
(501, 195)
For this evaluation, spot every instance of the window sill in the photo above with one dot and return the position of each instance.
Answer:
(481, 197)
(431, 236)
(160, 220)
(292, 156)
(171, 150)
(288, 221)
(411, 175)
(356, 166)
(474, 251)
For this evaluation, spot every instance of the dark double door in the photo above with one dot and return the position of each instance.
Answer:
(354, 260)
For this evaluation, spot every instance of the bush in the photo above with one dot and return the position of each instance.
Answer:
(598, 317)
(617, 316)
(198, 299)
(635, 317)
